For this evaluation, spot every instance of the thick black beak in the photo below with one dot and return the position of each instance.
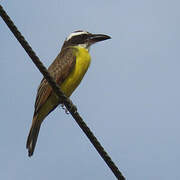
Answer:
(98, 37)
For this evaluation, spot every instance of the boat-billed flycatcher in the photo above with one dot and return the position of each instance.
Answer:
(68, 69)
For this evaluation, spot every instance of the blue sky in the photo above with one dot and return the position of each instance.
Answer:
(129, 97)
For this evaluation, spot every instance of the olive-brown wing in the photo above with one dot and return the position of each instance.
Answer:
(59, 70)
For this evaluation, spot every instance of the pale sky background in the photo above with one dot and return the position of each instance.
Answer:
(130, 96)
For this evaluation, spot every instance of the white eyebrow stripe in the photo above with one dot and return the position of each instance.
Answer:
(76, 34)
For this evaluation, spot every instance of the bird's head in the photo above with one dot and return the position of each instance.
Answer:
(84, 39)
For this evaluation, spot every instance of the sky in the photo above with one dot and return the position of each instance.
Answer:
(130, 96)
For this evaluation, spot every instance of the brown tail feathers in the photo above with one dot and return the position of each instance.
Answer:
(33, 135)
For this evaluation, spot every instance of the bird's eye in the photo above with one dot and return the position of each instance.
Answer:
(83, 36)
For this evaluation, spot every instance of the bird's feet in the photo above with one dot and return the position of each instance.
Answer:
(64, 108)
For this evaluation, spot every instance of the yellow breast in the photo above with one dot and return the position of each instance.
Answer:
(83, 60)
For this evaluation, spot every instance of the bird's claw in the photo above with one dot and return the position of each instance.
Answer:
(65, 109)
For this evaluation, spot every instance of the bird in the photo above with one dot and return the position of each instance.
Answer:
(68, 69)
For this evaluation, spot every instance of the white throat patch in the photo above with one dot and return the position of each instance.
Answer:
(86, 46)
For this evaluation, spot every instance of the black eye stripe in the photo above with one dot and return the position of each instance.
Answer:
(79, 39)
(84, 36)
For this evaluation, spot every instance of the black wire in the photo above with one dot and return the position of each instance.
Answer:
(67, 102)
